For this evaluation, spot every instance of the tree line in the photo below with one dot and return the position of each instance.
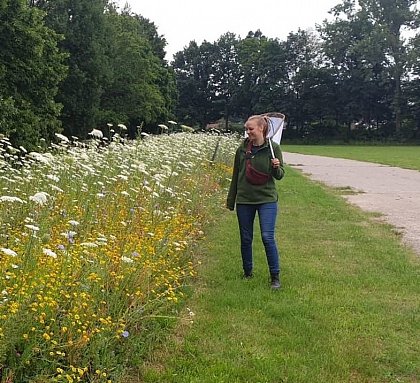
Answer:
(355, 77)
(74, 65)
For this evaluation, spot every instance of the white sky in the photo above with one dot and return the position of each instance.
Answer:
(182, 21)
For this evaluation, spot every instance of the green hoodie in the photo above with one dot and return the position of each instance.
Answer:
(241, 191)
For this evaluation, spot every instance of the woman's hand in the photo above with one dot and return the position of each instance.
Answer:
(275, 162)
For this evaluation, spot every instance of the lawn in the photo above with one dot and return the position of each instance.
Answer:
(402, 156)
(348, 310)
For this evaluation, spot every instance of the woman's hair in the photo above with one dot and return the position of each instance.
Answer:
(261, 121)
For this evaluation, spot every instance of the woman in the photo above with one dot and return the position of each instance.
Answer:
(253, 190)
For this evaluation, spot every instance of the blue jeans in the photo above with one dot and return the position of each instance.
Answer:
(267, 214)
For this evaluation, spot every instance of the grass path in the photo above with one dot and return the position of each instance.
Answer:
(348, 310)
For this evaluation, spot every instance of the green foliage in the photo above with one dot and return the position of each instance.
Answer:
(31, 67)
(139, 87)
(357, 69)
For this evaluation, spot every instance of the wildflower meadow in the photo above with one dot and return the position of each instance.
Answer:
(97, 247)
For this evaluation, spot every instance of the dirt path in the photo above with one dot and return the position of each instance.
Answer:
(392, 191)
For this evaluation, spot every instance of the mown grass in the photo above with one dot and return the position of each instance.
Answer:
(402, 156)
(348, 310)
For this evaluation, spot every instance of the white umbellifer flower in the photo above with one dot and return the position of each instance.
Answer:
(88, 244)
(69, 234)
(32, 227)
(52, 177)
(7, 251)
(163, 126)
(96, 133)
(73, 222)
(122, 126)
(39, 157)
(172, 122)
(49, 252)
(100, 195)
(7, 198)
(123, 177)
(56, 188)
(125, 193)
(126, 259)
(62, 137)
(40, 198)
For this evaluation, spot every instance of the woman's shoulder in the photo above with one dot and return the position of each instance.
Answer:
(243, 144)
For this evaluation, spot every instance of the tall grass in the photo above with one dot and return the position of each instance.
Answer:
(95, 250)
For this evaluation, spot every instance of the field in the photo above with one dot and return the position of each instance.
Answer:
(121, 264)
(96, 250)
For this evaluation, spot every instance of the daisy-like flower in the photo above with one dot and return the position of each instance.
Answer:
(7, 251)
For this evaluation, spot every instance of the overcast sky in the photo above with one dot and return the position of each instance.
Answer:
(181, 21)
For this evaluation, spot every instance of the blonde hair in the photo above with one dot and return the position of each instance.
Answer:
(261, 120)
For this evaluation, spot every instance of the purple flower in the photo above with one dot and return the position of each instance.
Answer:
(125, 334)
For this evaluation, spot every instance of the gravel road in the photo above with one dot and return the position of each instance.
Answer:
(391, 191)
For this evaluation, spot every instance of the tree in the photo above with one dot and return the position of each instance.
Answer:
(194, 70)
(389, 17)
(263, 75)
(31, 68)
(226, 75)
(140, 87)
(357, 59)
(82, 24)
(370, 40)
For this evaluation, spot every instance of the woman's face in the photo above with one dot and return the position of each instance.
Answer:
(254, 131)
